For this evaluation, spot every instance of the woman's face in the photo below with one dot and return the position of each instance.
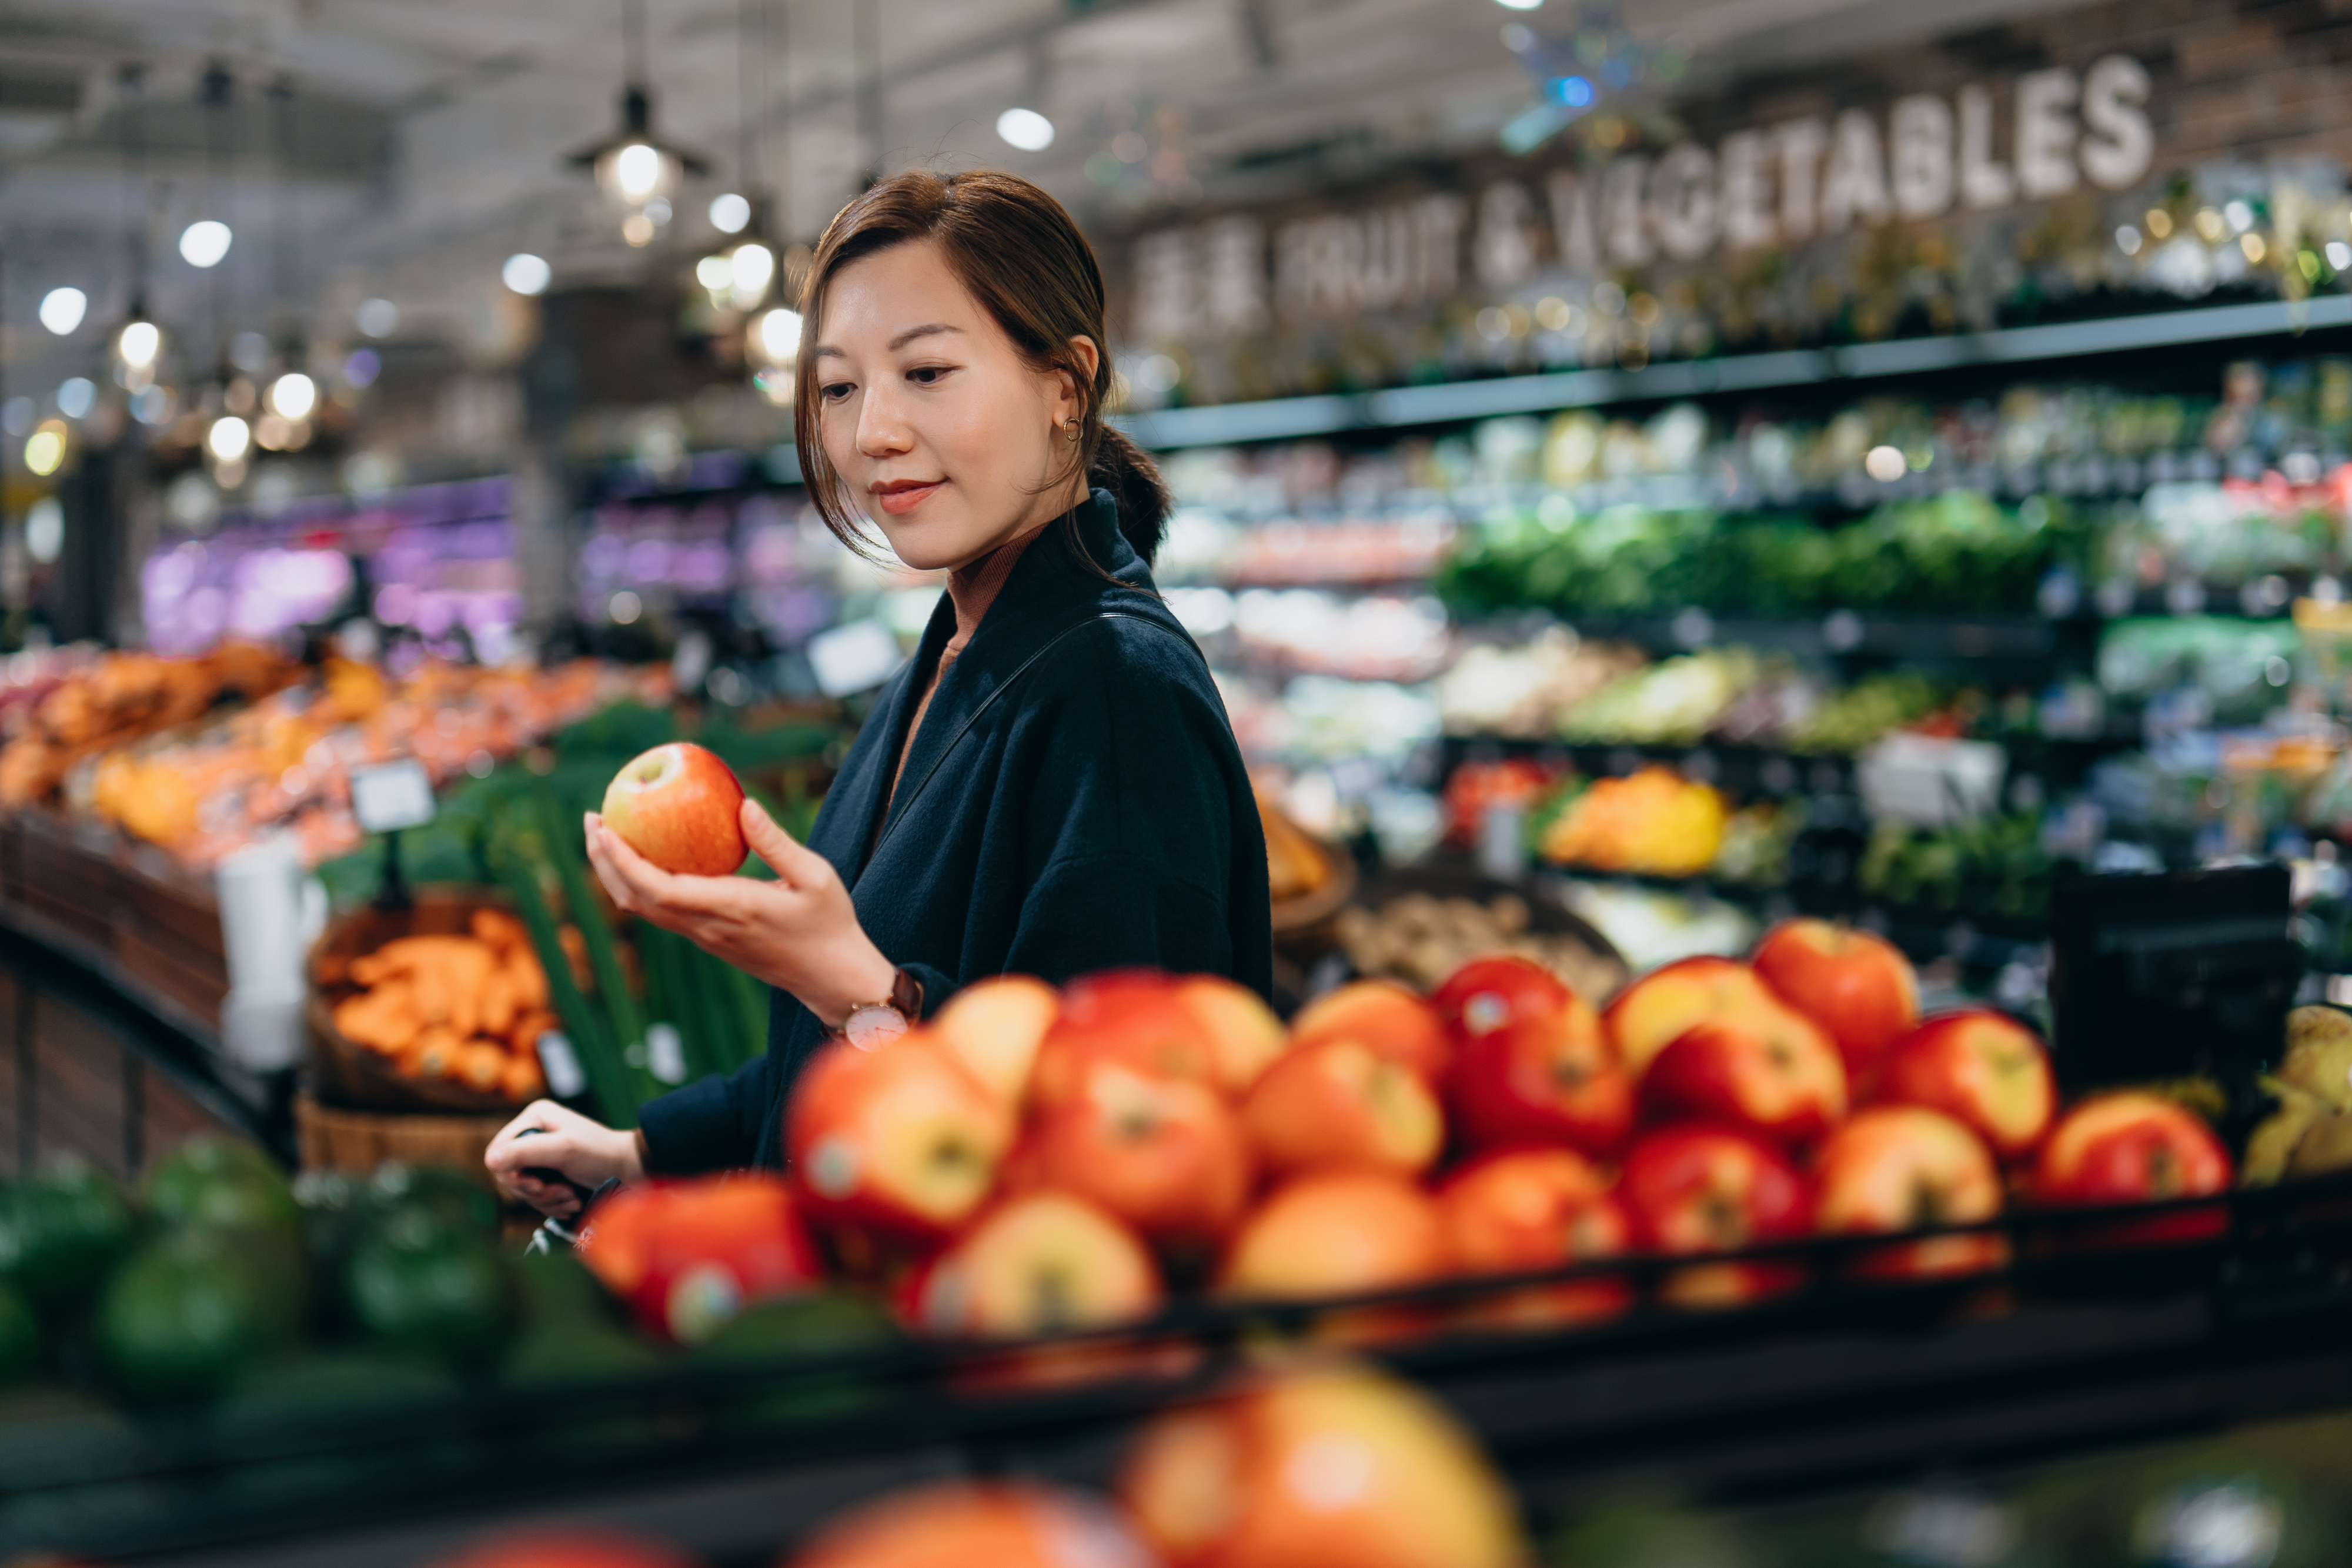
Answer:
(948, 439)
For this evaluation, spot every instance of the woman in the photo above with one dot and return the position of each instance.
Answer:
(1050, 787)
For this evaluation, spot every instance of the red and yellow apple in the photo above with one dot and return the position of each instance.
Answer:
(1979, 1067)
(689, 1256)
(1137, 1018)
(1531, 1210)
(1858, 988)
(2133, 1147)
(1337, 1105)
(994, 1027)
(1904, 1167)
(1166, 1155)
(1710, 1189)
(1244, 1035)
(959, 1524)
(1336, 1233)
(900, 1140)
(681, 808)
(1774, 1075)
(1668, 1002)
(1488, 993)
(1319, 1468)
(1543, 1078)
(1040, 1263)
(1381, 1015)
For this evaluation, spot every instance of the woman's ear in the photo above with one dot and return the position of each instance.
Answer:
(1083, 349)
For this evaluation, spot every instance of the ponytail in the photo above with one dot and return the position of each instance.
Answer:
(1134, 482)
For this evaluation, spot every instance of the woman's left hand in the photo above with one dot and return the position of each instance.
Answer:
(799, 933)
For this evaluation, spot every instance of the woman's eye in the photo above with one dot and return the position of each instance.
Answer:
(834, 391)
(928, 375)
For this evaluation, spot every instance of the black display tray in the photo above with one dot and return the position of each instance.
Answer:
(1843, 1381)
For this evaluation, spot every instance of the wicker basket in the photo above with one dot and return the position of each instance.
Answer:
(349, 1073)
(356, 1142)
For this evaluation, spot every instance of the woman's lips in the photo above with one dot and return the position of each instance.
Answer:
(905, 498)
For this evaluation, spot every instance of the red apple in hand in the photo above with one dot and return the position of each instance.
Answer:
(1336, 1233)
(1542, 1078)
(1381, 1015)
(1529, 1209)
(1042, 1263)
(993, 1027)
(1338, 1104)
(1665, 1004)
(1710, 1189)
(1858, 988)
(900, 1140)
(1137, 1018)
(1901, 1168)
(2131, 1147)
(1979, 1067)
(680, 808)
(1777, 1077)
(1168, 1157)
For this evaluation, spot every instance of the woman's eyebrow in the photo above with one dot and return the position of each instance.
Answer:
(927, 330)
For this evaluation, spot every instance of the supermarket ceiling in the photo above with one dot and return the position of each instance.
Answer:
(405, 147)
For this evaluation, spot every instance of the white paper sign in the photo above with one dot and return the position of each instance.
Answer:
(392, 796)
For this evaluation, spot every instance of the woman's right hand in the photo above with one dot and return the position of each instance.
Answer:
(553, 1137)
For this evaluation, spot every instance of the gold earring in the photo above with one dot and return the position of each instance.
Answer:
(1074, 429)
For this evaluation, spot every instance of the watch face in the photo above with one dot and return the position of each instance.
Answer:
(872, 1028)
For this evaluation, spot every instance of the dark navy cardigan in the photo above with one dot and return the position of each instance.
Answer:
(1095, 816)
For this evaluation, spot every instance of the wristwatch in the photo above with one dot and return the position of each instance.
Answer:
(870, 1026)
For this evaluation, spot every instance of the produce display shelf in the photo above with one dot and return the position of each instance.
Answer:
(2080, 1343)
(1971, 639)
(135, 948)
(1772, 772)
(1281, 418)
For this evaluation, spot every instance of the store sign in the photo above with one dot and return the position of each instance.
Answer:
(1926, 156)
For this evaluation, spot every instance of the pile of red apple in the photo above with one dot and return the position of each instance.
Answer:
(1050, 1160)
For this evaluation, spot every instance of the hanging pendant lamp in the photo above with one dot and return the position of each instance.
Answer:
(636, 170)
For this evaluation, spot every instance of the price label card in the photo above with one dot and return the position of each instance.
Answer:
(392, 796)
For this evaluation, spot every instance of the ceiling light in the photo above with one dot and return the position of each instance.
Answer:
(1026, 128)
(1519, 5)
(633, 166)
(203, 243)
(377, 318)
(229, 438)
(139, 343)
(776, 336)
(76, 396)
(45, 449)
(293, 395)
(715, 273)
(526, 274)
(730, 212)
(637, 228)
(62, 309)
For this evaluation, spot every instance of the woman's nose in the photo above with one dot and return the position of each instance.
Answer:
(882, 429)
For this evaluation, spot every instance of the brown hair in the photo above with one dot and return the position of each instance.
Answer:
(1022, 258)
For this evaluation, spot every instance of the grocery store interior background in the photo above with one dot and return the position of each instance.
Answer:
(1643, 475)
